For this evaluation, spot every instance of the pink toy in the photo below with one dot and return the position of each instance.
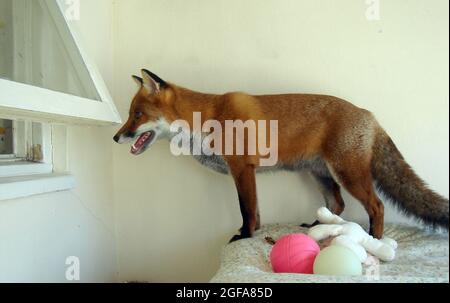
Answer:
(294, 253)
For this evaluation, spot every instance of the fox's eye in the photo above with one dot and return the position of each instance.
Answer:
(137, 115)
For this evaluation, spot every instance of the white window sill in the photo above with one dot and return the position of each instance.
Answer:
(25, 186)
(23, 168)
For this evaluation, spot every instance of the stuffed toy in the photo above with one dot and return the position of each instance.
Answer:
(352, 236)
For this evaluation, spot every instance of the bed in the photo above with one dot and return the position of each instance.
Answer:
(422, 257)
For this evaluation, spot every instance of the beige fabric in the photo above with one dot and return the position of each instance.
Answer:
(422, 256)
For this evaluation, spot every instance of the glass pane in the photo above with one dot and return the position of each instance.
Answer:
(33, 50)
(6, 138)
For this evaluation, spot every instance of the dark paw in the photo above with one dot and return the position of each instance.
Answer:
(305, 225)
(235, 238)
(238, 237)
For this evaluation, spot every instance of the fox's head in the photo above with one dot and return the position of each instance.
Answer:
(148, 113)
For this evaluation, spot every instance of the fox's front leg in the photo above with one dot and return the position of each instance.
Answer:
(245, 181)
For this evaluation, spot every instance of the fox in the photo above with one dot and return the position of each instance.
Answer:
(338, 143)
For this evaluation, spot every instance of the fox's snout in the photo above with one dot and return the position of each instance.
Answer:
(121, 137)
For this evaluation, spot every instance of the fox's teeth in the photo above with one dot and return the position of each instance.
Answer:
(138, 145)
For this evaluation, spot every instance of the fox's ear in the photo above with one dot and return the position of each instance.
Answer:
(139, 81)
(152, 83)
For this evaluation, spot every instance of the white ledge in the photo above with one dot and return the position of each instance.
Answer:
(25, 186)
(23, 168)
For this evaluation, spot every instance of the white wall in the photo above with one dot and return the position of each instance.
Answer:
(37, 234)
(173, 216)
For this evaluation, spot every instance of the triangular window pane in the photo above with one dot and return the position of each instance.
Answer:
(34, 52)
(40, 50)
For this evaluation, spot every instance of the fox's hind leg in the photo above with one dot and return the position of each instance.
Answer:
(331, 192)
(356, 177)
(348, 153)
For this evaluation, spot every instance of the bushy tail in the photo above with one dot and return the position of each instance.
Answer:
(398, 182)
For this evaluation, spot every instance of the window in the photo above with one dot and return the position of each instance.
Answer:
(26, 166)
(45, 77)
(25, 148)
(45, 73)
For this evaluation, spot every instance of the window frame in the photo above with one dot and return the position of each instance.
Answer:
(24, 101)
(22, 162)
(19, 177)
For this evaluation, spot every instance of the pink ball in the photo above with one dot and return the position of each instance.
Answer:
(294, 253)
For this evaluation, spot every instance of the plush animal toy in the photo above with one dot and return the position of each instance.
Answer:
(352, 236)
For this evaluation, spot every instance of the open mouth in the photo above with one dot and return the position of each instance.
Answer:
(142, 142)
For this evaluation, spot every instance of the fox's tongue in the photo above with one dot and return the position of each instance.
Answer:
(140, 143)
